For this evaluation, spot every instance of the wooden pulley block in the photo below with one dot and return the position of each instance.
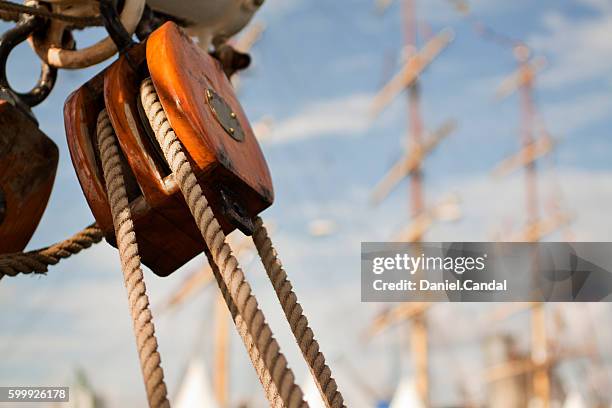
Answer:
(208, 120)
(28, 158)
(28, 162)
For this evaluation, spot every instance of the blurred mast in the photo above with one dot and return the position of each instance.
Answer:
(415, 121)
(419, 343)
(539, 342)
(410, 164)
(533, 148)
(419, 143)
(522, 82)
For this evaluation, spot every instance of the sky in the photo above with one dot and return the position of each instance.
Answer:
(314, 73)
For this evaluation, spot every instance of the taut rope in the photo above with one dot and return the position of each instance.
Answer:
(297, 321)
(144, 329)
(38, 260)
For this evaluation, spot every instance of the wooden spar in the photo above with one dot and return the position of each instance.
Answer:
(191, 285)
(411, 70)
(528, 365)
(535, 231)
(410, 161)
(198, 280)
(523, 76)
(396, 315)
(447, 209)
(528, 154)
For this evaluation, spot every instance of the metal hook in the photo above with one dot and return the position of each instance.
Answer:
(9, 40)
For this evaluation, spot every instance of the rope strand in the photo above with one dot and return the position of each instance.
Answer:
(297, 321)
(37, 261)
(144, 329)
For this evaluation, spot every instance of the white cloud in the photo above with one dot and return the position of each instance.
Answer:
(573, 113)
(579, 49)
(345, 116)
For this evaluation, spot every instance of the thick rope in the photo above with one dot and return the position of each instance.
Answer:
(297, 321)
(130, 264)
(38, 261)
(49, 47)
(270, 365)
(10, 11)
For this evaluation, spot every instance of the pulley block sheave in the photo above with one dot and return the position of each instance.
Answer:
(209, 122)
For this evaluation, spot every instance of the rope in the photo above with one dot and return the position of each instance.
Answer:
(144, 329)
(275, 376)
(297, 321)
(38, 260)
(49, 49)
(10, 11)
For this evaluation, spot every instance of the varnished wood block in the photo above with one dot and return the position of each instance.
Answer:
(231, 172)
(207, 118)
(167, 237)
(28, 162)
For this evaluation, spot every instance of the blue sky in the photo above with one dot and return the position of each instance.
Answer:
(315, 71)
